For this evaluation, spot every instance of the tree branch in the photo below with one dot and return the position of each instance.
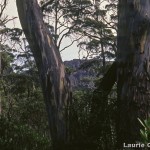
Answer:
(3, 6)
(70, 44)
(46, 4)
(70, 28)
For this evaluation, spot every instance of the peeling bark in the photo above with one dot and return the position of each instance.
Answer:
(133, 59)
(56, 87)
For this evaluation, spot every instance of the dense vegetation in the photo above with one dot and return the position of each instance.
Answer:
(33, 76)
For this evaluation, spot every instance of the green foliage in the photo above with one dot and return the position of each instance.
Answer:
(69, 70)
(80, 111)
(96, 129)
(98, 32)
(23, 122)
(17, 136)
(6, 59)
(84, 21)
(145, 133)
(23, 119)
(81, 103)
(103, 118)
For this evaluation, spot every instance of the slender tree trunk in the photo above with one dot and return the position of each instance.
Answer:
(133, 63)
(56, 87)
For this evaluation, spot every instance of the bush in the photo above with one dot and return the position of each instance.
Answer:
(16, 136)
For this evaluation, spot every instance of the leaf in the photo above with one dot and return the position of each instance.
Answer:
(141, 123)
(144, 136)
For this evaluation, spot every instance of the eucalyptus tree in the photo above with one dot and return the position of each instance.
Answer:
(55, 85)
(60, 16)
(133, 68)
(131, 71)
(99, 30)
(82, 21)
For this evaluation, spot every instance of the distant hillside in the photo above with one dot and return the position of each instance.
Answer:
(80, 78)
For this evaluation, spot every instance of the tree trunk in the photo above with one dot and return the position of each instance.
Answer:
(56, 87)
(133, 68)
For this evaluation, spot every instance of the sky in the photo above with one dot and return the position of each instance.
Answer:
(68, 54)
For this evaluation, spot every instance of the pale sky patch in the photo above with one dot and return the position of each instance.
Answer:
(11, 10)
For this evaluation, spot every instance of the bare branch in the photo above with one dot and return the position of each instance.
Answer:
(3, 6)
(6, 20)
(65, 35)
(71, 43)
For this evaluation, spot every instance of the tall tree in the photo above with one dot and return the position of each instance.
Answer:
(58, 17)
(56, 87)
(133, 70)
(98, 30)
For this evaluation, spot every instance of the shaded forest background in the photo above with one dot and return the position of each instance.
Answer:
(96, 109)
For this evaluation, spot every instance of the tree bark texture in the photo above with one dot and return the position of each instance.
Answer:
(56, 87)
(133, 68)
